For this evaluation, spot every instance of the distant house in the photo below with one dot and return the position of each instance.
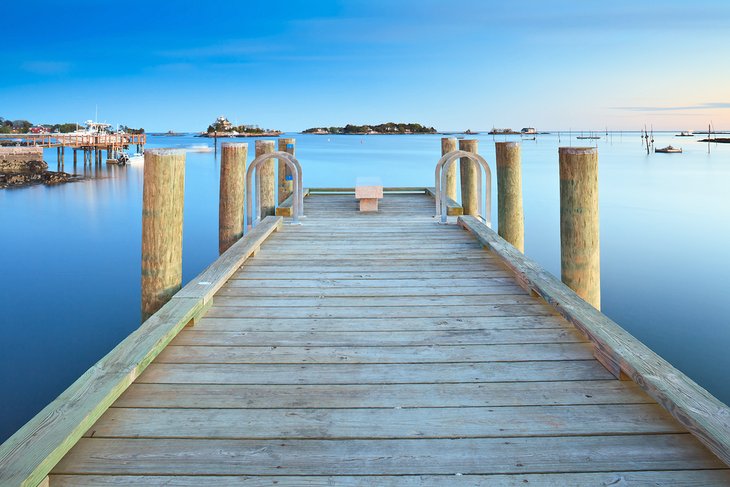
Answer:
(222, 124)
(528, 130)
(38, 130)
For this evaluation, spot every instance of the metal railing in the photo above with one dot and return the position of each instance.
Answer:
(297, 194)
(442, 168)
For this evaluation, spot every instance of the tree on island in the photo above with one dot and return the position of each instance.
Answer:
(222, 125)
(383, 128)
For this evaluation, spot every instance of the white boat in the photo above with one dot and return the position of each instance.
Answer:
(199, 148)
(669, 150)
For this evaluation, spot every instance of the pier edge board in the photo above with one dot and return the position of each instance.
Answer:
(705, 416)
(28, 456)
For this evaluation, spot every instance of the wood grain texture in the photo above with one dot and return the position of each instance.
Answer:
(267, 206)
(701, 413)
(676, 478)
(580, 255)
(162, 225)
(510, 217)
(388, 457)
(268, 396)
(232, 194)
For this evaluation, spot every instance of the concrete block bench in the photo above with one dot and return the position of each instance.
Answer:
(368, 191)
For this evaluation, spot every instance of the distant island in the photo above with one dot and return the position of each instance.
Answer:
(223, 128)
(383, 128)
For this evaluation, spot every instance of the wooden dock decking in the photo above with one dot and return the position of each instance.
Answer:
(382, 349)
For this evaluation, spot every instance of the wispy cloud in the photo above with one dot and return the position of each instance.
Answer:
(46, 68)
(718, 105)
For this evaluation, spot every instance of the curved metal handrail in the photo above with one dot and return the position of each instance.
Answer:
(297, 193)
(442, 168)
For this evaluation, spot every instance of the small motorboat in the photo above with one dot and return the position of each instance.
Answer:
(669, 150)
(200, 148)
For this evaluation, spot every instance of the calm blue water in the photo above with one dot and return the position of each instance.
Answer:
(70, 255)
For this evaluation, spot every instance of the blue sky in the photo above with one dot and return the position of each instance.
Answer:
(296, 64)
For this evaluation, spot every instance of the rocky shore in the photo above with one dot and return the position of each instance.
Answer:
(23, 166)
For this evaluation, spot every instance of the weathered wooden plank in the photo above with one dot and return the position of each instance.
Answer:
(382, 395)
(322, 301)
(390, 312)
(375, 354)
(385, 423)
(327, 292)
(244, 324)
(364, 276)
(676, 478)
(372, 373)
(441, 284)
(701, 413)
(194, 336)
(393, 457)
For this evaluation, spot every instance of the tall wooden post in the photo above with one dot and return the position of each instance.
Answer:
(285, 185)
(267, 190)
(448, 144)
(469, 178)
(580, 265)
(510, 216)
(75, 157)
(232, 194)
(162, 225)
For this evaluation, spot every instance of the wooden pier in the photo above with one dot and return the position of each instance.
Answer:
(382, 348)
(91, 145)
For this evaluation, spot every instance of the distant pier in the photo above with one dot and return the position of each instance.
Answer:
(90, 145)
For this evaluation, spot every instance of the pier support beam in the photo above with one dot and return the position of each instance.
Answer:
(162, 226)
(469, 178)
(510, 216)
(449, 144)
(267, 190)
(580, 265)
(232, 194)
(285, 185)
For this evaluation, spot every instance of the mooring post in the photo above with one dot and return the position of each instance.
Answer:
(448, 144)
(510, 216)
(267, 190)
(162, 225)
(469, 178)
(232, 194)
(286, 183)
(580, 262)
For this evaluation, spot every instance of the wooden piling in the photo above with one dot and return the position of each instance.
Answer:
(510, 216)
(285, 185)
(579, 234)
(162, 220)
(75, 157)
(448, 144)
(267, 190)
(469, 178)
(232, 194)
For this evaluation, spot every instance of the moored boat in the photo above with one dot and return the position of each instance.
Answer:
(669, 150)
